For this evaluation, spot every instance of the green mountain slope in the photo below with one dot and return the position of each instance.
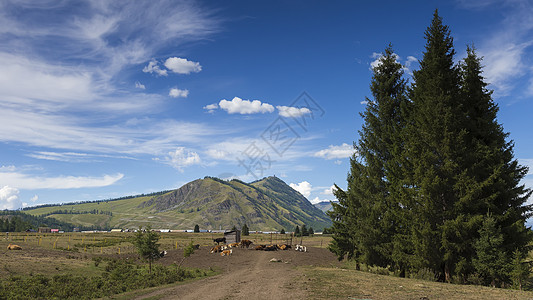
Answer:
(267, 204)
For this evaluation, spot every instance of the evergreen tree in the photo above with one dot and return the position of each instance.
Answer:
(492, 174)
(196, 228)
(282, 231)
(245, 230)
(520, 270)
(311, 231)
(343, 244)
(367, 210)
(146, 243)
(304, 231)
(297, 231)
(434, 144)
(491, 262)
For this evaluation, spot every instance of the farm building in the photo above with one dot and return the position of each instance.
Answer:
(44, 230)
(233, 236)
(116, 230)
(54, 230)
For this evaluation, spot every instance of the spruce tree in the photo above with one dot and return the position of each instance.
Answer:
(370, 213)
(490, 177)
(434, 144)
(490, 262)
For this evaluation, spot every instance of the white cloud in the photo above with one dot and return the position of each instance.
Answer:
(9, 198)
(139, 85)
(318, 200)
(177, 93)
(181, 158)
(211, 108)
(303, 187)
(182, 65)
(34, 198)
(153, 67)
(336, 152)
(218, 154)
(328, 191)
(507, 47)
(292, 112)
(503, 63)
(243, 107)
(31, 182)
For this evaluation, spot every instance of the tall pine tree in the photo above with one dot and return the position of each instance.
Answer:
(367, 207)
(490, 182)
(434, 143)
(429, 168)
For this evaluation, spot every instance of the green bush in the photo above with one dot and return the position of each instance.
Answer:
(119, 276)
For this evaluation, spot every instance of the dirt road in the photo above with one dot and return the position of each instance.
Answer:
(247, 274)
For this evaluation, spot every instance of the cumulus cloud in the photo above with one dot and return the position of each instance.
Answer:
(245, 107)
(181, 158)
(211, 108)
(139, 85)
(292, 112)
(182, 65)
(9, 198)
(318, 200)
(303, 187)
(153, 67)
(336, 152)
(328, 191)
(34, 198)
(177, 93)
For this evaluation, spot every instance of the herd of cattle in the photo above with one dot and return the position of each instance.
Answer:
(225, 249)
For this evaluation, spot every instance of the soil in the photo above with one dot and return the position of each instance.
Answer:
(246, 274)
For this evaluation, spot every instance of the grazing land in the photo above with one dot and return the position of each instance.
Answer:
(245, 274)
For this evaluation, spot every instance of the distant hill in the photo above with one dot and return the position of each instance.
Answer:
(324, 205)
(267, 204)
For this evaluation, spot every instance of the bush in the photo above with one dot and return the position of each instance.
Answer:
(119, 276)
(425, 274)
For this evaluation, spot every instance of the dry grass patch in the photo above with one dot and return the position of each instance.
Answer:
(335, 283)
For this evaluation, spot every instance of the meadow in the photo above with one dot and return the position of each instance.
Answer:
(95, 258)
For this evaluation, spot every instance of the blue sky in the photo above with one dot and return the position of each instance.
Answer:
(104, 99)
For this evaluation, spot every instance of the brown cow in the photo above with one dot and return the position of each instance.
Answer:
(14, 247)
(216, 249)
(226, 252)
(233, 245)
(260, 247)
(246, 243)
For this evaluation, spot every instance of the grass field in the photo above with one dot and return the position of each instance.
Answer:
(75, 253)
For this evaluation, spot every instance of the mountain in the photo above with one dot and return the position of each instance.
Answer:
(324, 205)
(267, 204)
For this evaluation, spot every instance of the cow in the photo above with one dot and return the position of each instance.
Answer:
(233, 245)
(220, 240)
(226, 252)
(246, 243)
(300, 248)
(216, 249)
(260, 247)
(14, 247)
(271, 248)
(284, 247)
(163, 253)
(197, 246)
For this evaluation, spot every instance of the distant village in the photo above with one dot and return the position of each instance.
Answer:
(56, 230)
